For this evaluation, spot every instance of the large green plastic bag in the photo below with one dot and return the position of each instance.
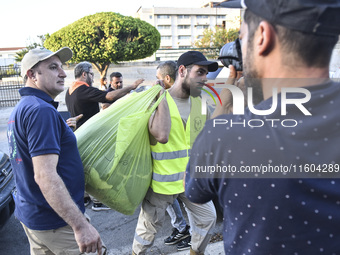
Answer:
(115, 150)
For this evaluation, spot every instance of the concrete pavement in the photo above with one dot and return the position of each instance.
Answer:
(117, 230)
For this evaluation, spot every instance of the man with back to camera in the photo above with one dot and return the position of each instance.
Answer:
(46, 163)
(173, 127)
(286, 45)
(83, 98)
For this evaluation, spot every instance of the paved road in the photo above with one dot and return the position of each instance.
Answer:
(116, 229)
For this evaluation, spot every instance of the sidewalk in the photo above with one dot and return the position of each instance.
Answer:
(212, 249)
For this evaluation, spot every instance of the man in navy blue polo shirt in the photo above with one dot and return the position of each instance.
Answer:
(46, 163)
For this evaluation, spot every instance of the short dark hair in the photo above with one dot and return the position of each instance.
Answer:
(115, 74)
(168, 68)
(189, 67)
(310, 49)
(81, 68)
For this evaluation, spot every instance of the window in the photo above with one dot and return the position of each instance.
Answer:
(163, 27)
(199, 37)
(163, 16)
(184, 37)
(202, 26)
(183, 26)
(150, 17)
(183, 16)
(202, 16)
(165, 37)
(220, 16)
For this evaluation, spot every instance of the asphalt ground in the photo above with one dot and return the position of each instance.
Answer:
(117, 230)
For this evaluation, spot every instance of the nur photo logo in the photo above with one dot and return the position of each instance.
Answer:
(301, 96)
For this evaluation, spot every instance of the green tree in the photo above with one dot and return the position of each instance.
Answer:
(216, 38)
(105, 38)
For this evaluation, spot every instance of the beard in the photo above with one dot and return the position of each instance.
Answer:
(89, 81)
(193, 91)
(251, 77)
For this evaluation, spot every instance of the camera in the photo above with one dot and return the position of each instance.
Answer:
(231, 54)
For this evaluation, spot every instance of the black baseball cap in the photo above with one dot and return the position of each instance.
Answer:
(320, 17)
(196, 58)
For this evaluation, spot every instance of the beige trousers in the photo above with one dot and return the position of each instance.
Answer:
(202, 219)
(59, 241)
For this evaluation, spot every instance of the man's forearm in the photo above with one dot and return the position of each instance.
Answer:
(116, 94)
(58, 197)
(160, 122)
(55, 191)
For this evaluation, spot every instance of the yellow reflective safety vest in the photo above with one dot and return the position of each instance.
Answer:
(170, 159)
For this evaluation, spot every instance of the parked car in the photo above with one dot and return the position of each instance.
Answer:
(7, 189)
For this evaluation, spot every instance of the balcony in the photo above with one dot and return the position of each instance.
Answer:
(164, 30)
(166, 43)
(184, 30)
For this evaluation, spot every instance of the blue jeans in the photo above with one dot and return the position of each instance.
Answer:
(175, 213)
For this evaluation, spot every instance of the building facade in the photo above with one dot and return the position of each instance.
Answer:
(181, 27)
(7, 55)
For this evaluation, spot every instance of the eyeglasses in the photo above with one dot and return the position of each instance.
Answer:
(91, 73)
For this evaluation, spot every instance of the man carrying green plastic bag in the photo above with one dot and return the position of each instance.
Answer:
(115, 150)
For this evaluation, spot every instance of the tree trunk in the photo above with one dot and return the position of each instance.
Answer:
(102, 69)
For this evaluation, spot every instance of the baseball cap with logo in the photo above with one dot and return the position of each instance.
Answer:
(320, 17)
(196, 58)
(36, 55)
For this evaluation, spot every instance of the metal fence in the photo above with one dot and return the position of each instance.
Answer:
(10, 83)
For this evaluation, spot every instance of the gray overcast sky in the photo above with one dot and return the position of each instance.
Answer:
(21, 20)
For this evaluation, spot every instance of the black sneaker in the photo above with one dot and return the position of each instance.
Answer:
(177, 236)
(185, 244)
(100, 207)
(87, 201)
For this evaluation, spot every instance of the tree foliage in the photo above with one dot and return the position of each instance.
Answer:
(105, 38)
(216, 38)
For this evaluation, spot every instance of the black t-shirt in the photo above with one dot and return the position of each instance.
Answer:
(84, 100)
(109, 89)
